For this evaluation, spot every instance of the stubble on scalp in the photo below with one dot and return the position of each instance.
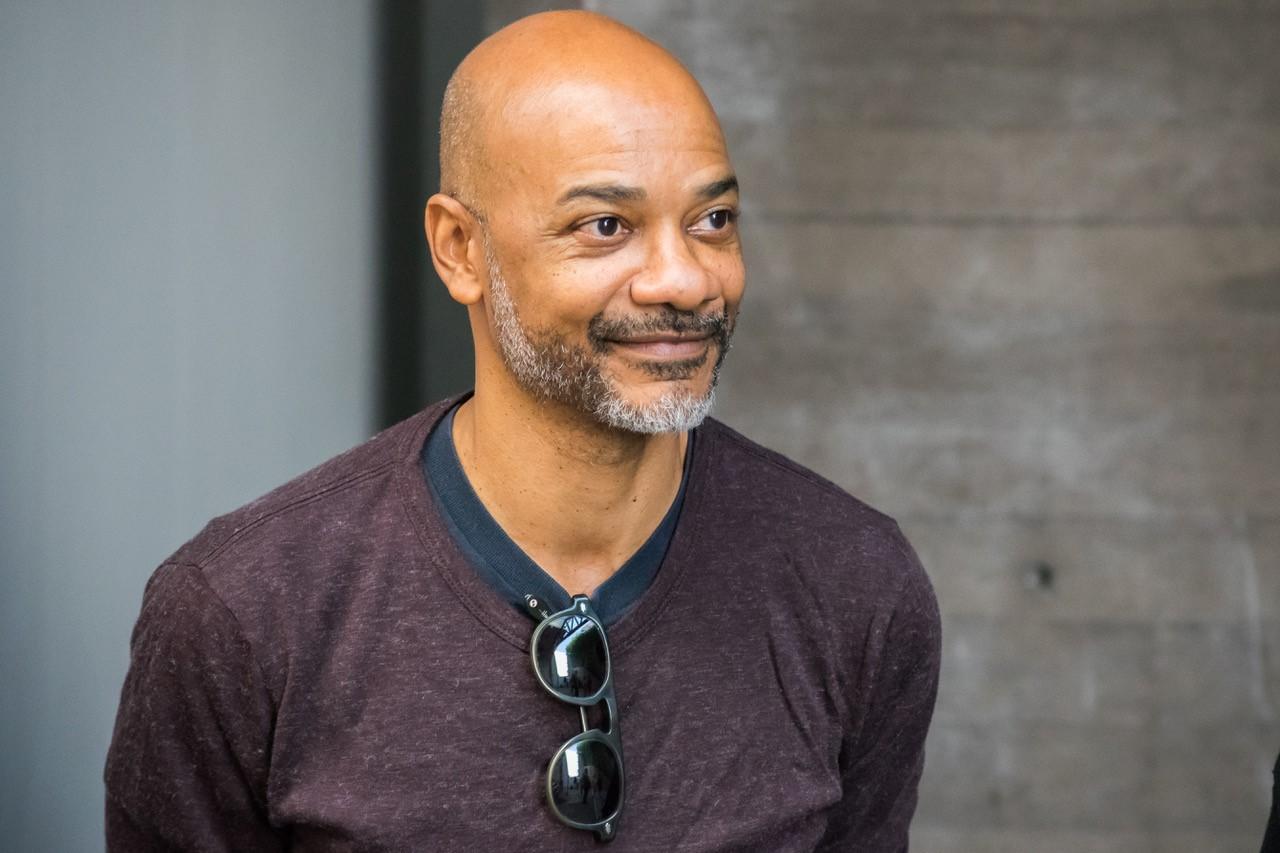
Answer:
(555, 370)
(460, 139)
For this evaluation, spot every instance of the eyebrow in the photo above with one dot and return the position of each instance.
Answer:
(618, 192)
(604, 192)
(718, 188)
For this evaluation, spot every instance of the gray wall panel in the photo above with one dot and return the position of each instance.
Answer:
(187, 273)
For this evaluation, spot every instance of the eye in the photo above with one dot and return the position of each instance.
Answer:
(717, 221)
(602, 227)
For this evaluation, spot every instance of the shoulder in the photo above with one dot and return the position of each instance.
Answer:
(336, 487)
(796, 501)
(835, 541)
(768, 471)
(280, 566)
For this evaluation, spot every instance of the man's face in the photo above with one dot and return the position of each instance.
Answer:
(614, 264)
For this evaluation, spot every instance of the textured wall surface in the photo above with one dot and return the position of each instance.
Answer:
(1015, 279)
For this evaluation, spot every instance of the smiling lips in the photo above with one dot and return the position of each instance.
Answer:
(664, 346)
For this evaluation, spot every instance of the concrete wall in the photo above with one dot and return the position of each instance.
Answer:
(187, 282)
(1014, 278)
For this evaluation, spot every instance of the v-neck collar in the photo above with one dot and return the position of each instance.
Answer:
(487, 604)
(505, 565)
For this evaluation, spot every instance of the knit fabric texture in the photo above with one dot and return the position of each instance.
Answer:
(323, 669)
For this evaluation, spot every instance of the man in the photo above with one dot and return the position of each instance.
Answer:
(345, 663)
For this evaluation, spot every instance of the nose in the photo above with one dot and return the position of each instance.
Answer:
(673, 273)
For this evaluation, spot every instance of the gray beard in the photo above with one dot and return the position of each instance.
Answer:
(552, 369)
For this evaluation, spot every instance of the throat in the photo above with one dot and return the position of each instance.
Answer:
(580, 516)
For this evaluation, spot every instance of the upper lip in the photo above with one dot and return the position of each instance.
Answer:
(664, 338)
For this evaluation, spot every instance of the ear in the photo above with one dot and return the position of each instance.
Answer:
(454, 237)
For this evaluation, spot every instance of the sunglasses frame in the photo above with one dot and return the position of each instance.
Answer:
(611, 737)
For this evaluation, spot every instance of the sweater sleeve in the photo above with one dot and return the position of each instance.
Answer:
(188, 763)
(882, 762)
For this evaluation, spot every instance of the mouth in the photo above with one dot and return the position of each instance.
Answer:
(664, 346)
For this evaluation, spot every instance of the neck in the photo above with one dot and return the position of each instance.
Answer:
(579, 498)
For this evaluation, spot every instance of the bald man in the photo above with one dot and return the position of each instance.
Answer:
(566, 608)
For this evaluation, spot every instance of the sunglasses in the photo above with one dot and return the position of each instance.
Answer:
(571, 659)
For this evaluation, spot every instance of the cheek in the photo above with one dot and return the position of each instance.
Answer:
(732, 274)
(596, 286)
(567, 303)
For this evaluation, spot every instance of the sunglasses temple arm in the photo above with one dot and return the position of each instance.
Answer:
(536, 607)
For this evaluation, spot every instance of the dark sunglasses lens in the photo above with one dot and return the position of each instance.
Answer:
(571, 656)
(584, 782)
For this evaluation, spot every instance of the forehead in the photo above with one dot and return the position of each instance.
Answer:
(660, 137)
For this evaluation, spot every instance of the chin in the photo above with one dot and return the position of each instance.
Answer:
(663, 407)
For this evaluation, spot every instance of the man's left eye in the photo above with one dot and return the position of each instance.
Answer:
(606, 226)
(718, 220)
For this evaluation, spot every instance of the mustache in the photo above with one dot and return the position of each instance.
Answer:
(717, 325)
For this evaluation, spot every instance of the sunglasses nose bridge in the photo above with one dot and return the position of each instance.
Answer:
(606, 719)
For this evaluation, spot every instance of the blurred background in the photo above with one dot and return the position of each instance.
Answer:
(1014, 278)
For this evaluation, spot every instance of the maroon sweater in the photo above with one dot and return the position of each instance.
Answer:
(323, 670)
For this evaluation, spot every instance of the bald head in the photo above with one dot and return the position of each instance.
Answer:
(588, 204)
(546, 66)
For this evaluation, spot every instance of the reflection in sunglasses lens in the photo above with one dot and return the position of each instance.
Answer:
(571, 656)
(584, 782)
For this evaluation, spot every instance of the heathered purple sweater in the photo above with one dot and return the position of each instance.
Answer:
(323, 670)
